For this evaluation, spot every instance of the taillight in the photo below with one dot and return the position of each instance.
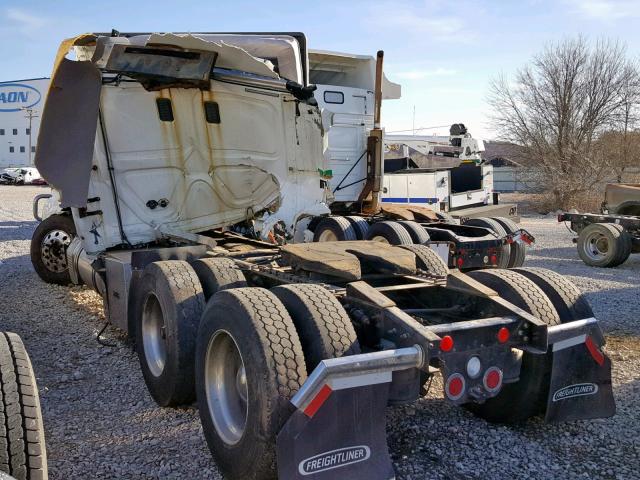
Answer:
(454, 388)
(494, 259)
(503, 335)
(492, 379)
(446, 344)
(460, 262)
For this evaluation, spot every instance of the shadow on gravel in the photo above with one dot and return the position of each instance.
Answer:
(14, 230)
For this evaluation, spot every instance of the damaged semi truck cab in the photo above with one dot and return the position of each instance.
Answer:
(184, 153)
(227, 140)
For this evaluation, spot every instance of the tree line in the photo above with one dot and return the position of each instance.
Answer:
(574, 114)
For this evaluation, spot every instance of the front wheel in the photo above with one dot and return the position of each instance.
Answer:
(249, 363)
(49, 246)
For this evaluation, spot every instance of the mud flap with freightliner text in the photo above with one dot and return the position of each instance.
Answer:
(580, 386)
(346, 438)
(338, 427)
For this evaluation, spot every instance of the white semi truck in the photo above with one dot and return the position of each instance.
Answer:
(163, 147)
(423, 200)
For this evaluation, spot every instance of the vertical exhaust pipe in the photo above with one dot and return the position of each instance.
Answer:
(373, 185)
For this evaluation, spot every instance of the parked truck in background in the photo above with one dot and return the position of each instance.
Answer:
(447, 173)
(172, 213)
(608, 238)
(372, 198)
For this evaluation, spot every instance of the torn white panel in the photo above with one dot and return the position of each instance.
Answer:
(282, 50)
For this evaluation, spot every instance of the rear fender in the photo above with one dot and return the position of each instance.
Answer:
(580, 386)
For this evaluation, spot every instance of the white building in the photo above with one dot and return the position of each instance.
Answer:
(19, 100)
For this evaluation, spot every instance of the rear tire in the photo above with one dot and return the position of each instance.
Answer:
(256, 329)
(525, 398)
(517, 251)
(324, 328)
(568, 301)
(49, 248)
(169, 304)
(604, 245)
(22, 447)
(418, 234)
(427, 259)
(217, 274)
(360, 225)
(389, 232)
(334, 229)
(505, 250)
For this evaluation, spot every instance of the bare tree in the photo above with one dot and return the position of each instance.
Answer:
(557, 106)
(623, 141)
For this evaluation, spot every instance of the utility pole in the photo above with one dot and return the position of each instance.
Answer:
(30, 114)
(413, 130)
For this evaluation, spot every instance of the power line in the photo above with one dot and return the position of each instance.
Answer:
(418, 129)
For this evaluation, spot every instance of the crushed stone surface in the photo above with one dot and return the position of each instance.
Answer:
(101, 422)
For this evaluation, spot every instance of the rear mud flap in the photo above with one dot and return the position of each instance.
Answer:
(345, 438)
(580, 385)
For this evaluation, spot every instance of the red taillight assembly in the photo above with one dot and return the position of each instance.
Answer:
(460, 262)
(454, 387)
(492, 379)
(494, 259)
(503, 335)
(446, 344)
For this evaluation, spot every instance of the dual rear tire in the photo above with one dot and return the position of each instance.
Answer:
(337, 228)
(243, 356)
(604, 245)
(511, 255)
(552, 299)
(255, 350)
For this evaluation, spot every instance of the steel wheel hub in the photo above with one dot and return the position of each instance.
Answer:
(596, 246)
(226, 387)
(328, 236)
(53, 251)
(154, 340)
(380, 239)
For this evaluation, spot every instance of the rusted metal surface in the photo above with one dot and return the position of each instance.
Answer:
(156, 68)
(620, 195)
(408, 212)
(349, 260)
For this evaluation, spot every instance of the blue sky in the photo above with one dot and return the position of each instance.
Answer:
(444, 53)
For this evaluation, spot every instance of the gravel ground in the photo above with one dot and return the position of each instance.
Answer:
(101, 422)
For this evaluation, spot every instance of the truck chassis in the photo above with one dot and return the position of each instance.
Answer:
(604, 240)
(330, 333)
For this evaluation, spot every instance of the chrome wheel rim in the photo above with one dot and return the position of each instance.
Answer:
(154, 339)
(327, 236)
(226, 387)
(53, 250)
(596, 246)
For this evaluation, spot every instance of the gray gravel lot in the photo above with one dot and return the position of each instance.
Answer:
(101, 423)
